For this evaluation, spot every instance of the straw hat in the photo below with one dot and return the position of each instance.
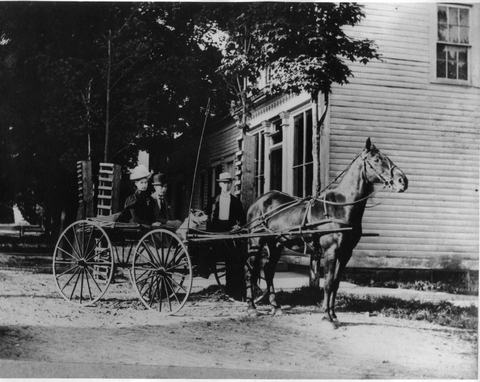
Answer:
(139, 172)
(225, 177)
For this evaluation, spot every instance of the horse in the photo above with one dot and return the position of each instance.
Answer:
(197, 218)
(334, 209)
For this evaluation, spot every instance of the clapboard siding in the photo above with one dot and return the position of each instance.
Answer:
(431, 131)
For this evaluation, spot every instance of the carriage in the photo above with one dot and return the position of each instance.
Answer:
(162, 264)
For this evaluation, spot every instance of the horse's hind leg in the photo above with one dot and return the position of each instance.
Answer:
(252, 270)
(269, 270)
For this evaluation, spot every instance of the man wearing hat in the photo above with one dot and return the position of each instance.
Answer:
(140, 204)
(226, 214)
(162, 214)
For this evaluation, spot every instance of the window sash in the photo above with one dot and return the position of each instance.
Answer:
(453, 43)
(302, 158)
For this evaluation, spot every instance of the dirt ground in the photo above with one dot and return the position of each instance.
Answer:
(37, 324)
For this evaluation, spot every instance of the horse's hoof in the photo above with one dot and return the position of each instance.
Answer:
(253, 313)
(329, 323)
(277, 312)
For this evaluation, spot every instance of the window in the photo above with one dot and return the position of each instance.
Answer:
(276, 156)
(259, 164)
(302, 154)
(453, 43)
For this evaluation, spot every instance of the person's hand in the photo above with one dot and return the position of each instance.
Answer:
(156, 224)
(236, 227)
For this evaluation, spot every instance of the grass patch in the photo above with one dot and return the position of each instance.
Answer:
(442, 313)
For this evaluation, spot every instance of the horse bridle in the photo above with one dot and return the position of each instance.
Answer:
(391, 165)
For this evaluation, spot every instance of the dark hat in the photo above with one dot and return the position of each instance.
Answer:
(160, 179)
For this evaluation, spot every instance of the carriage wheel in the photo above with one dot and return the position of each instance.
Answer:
(220, 272)
(83, 263)
(162, 271)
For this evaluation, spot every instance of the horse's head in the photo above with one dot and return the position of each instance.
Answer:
(378, 168)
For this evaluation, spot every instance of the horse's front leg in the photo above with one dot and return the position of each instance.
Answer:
(329, 286)
(341, 264)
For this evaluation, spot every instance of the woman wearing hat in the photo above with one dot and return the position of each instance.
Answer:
(141, 204)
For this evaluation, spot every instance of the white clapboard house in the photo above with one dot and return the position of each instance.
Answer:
(420, 105)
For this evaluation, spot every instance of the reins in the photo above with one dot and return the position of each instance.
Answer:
(261, 220)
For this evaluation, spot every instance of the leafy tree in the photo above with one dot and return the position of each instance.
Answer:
(99, 81)
(303, 45)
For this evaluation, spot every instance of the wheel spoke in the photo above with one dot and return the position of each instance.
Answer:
(88, 282)
(158, 288)
(92, 275)
(72, 247)
(75, 285)
(150, 254)
(67, 271)
(67, 253)
(180, 286)
(167, 295)
(76, 267)
(81, 285)
(95, 254)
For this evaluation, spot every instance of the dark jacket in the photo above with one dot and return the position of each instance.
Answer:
(141, 206)
(236, 216)
(163, 214)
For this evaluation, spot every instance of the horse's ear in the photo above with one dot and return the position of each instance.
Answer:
(368, 145)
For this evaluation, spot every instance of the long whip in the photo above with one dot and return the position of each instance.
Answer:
(207, 111)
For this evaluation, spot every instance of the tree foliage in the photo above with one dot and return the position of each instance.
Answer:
(143, 72)
(55, 59)
(303, 45)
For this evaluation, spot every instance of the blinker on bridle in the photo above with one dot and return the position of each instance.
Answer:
(391, 165)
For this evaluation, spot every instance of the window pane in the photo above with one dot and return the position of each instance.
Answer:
(464, 17)
(298, 140)
(441, 69)
(308, 179)
(452, 69)
(452, 16)
(441, 52)
(277, 136)
(451, 54)
(276, 169)
(298, 181)
(463, 65)
(442, 32)
(442, 15)
(308, 137)
(464, 35)
(453, 34)
(261, 151)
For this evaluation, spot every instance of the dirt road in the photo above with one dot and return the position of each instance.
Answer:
(36, 324)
